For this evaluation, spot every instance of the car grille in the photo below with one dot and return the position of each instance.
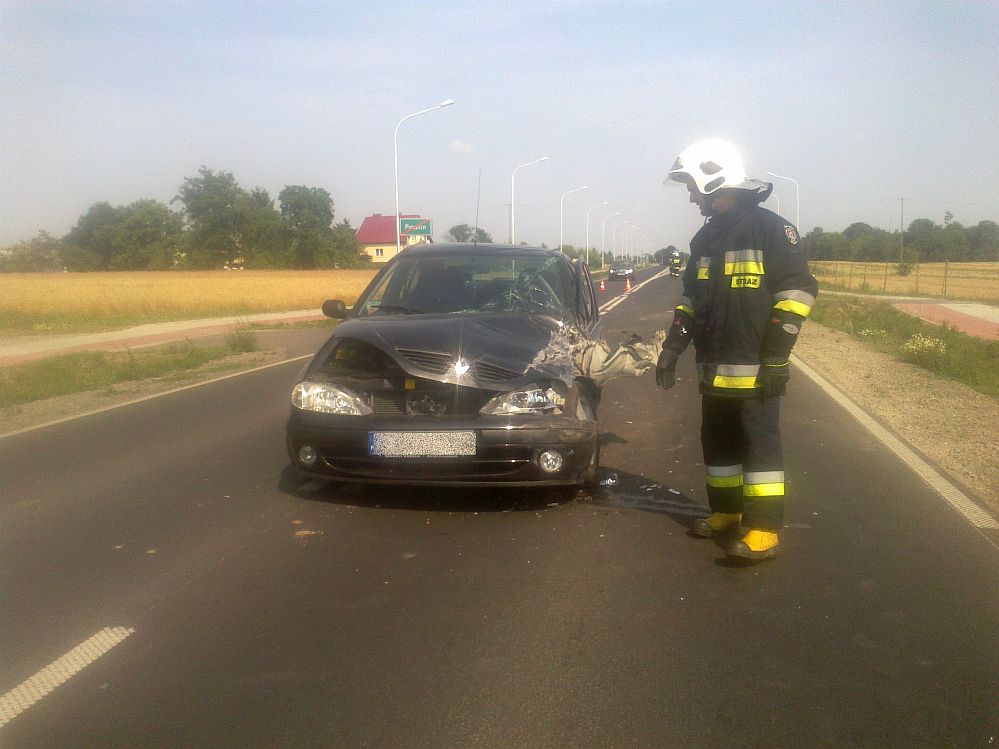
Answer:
(429, 402)
(428, 361)
(440, 364)
(492, 373)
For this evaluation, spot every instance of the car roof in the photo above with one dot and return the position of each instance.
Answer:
(465, 248)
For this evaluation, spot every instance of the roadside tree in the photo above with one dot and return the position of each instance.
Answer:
(465, 233)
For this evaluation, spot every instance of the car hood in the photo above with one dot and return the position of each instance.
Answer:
(500, 350)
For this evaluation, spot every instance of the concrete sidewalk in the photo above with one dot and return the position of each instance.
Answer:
(15, 350)
(979, 320)
(973, 318)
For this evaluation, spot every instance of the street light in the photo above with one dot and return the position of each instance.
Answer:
(513, 189)
(395, 141)
(561, 202)
(797, 202)
(587, 250)
(603, 236)
(627, 235)
(614, 236)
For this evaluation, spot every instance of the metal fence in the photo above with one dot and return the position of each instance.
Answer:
(958, 281)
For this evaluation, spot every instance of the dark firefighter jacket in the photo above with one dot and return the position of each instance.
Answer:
(747, 290)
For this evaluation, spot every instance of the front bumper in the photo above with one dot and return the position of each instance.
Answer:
(506, 452)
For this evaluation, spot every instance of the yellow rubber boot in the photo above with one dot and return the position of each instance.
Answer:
(716, 524)
(756, 545)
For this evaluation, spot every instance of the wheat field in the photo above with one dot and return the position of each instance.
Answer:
(978, 282)
(46, 303)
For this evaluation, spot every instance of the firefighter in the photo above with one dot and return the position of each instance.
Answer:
(674, 262)
(746, 292)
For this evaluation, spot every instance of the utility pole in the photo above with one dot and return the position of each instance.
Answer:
(901, 230)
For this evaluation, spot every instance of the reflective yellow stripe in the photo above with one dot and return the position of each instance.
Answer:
(721, 482)
(763, 490)
(703, 274)
(789, 305)
(740, 383)
(744, 266)
(685, 308)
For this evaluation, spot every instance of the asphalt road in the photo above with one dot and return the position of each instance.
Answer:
(259, 612)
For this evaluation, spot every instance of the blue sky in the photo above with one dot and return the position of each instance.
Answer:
(861, 103)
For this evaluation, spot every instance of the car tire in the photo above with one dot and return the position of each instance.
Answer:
(592, 472)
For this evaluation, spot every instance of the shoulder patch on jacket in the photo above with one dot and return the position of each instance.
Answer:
(792, 235)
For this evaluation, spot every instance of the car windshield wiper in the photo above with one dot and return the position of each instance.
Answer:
(397, 308)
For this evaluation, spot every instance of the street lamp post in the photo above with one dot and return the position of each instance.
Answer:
(395, 141)
(561, 203)
(614, 237)
(587, 250)
(513, 192)
(629, 245)
(603, 235)
(797, 202)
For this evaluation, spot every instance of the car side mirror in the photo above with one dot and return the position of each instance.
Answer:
(335, 309)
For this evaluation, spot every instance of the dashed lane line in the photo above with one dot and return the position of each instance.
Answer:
(620, 298)
(30, 691)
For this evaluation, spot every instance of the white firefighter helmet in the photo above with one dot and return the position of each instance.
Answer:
(710, 165)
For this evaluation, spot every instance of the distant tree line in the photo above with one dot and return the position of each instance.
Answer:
(218, 225)
(924, 241)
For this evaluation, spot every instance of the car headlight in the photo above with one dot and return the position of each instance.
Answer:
(531, 400)
(328, 399)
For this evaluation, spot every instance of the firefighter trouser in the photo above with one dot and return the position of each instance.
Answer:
(743, 460)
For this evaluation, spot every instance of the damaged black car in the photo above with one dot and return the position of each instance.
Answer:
(458, 365)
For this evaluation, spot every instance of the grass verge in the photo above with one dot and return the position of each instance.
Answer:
(940, 349)
(93, 370)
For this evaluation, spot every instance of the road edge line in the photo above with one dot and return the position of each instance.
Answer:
(154, 395)
(57, 673)
(966, 507)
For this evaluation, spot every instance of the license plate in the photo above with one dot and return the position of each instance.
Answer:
(421, 444)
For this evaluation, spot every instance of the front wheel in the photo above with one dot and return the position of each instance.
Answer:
(593, 469)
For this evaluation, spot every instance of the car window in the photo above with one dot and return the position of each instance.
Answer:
(474, 284)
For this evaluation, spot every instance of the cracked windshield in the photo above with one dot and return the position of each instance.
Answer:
(419, 286)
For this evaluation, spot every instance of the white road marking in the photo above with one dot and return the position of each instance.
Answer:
(618, 299)
(957, 499)
(30, 691)
(155, 395)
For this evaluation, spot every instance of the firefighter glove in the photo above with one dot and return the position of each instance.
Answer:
(773, 379)
(666, 369)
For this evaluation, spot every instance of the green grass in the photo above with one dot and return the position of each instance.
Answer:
(93, 370)
(937, 348)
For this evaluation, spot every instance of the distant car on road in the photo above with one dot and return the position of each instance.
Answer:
(454, 367)
(620, 270)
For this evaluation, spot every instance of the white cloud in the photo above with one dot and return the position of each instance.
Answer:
(460, 146)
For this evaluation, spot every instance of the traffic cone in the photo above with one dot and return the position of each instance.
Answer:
(602, 286)
(627, 285)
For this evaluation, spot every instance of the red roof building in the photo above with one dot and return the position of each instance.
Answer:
(378, 240)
